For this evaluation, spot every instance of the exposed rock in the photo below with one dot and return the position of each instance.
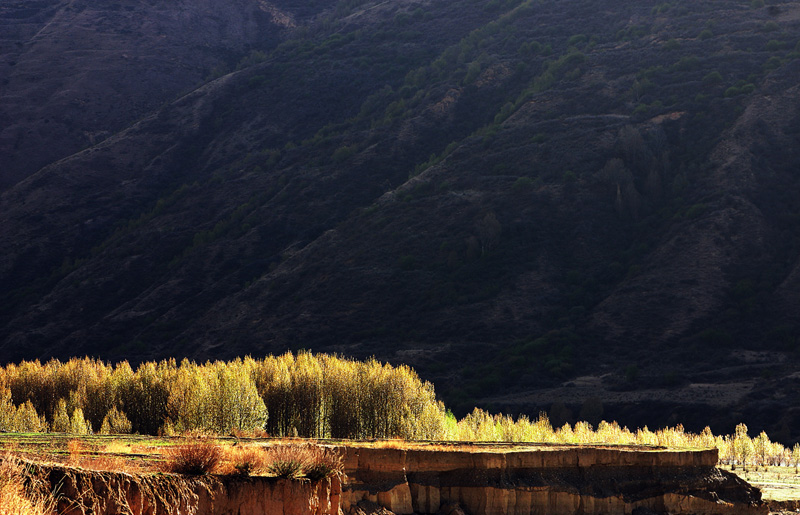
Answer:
(368, 508)
(82, 492)
(551, 481)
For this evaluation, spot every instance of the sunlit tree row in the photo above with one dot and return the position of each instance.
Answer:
(738, 449)
(318, 396)
(304, 395)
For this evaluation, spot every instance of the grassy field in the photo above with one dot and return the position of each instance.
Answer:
(775, 483)
(147, 453)
(104, 452)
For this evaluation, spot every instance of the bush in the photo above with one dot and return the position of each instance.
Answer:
(672, 44)
(195, 458)
(342, 154)
(686, 64)
(706, 34)
(773, 45)
(247, 461)
(312, 461)
(712, 78)
(324, 462)
(287, 461)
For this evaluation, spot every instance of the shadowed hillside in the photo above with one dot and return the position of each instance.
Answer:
(584, 207)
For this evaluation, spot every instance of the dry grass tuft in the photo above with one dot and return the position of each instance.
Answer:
(77, 451)
(108, 464)
(324, 462)
(287, 461)
(14, 498)
(245, 460)
(118, 447)
(196, 458)
(294, 461)
(250, 433)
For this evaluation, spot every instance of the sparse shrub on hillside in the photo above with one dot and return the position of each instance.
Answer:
(773, 63)
(773, 45)
(254, 57)
(712, 78)
(705, 34)
(577, 39)
(342, 154)
(740, 88)
(522, 184)
(686, 64)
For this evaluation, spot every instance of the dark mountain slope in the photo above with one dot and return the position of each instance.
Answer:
(509, 196)
(75, 72)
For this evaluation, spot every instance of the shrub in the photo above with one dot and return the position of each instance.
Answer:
(712, 78)
(576, 40)
(672, 44)
(342, 154)
(773, 63)
(324, 462)
(522, 184)
(287, 461)
(773, 45)
(771, 26)
(296, 460)
(686, 64)
(194, 458)
(246, 461)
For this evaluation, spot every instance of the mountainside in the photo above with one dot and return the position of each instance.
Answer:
(586, 207)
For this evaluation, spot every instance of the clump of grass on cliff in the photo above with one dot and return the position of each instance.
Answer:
(293, 461)
(324, 462)
(15, 499)
(198, 457)
(245, 460)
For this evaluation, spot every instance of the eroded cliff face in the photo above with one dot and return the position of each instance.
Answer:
(545, 480)
(83, 492)
(551, 481)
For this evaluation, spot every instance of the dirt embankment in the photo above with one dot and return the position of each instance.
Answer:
(83, 492)
(551, 480)
(539, 480)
